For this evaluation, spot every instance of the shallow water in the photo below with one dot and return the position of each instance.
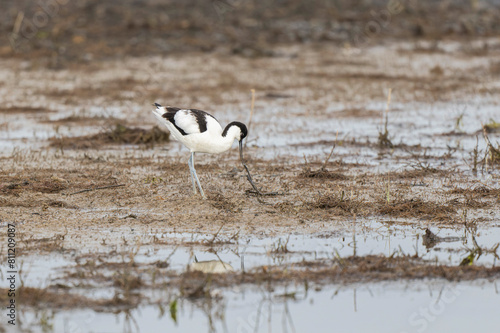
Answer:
(248, 252)
(425, 306)
(359, 238)
(303, 134)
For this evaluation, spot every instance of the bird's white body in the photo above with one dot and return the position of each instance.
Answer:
(210, 141)
(200, 132)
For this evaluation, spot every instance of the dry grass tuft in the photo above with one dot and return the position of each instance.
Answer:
(45, 244)
(416, 208)
(340, 204)
(417, 173)
(480, 191)
(33, 185)
(323, 174)
(120, 134)
(220, 202)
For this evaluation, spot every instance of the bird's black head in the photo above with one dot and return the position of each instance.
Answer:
(241, 126)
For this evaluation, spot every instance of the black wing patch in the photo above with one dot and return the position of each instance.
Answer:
(169, 115)
(201, 118)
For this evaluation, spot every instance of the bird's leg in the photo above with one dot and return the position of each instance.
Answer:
(196, 176)
(191, 172)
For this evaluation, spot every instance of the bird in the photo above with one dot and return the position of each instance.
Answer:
(200, 132)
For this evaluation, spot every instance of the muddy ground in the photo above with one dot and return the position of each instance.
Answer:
(86, 174)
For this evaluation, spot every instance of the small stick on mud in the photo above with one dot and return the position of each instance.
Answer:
(305, 159)
(383, 137)
(215, 235)
(387, 107)
(331, 153)
(97, 188)
(251, 112)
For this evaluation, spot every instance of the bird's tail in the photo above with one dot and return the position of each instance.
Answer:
(159, 112)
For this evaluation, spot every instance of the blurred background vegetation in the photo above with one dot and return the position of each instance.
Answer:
(58, 32)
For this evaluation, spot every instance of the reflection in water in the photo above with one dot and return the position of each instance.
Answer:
(214, 310)
(277, 308)
(472, 253)
(430, 239)
(272, 302)
(130, 325)
(211, 267)
(411, 306)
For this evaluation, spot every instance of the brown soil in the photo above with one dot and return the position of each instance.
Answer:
(95, 30)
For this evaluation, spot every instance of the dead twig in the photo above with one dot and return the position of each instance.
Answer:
(331, 152)
(251, 112)
(383, 137)
(215, 235)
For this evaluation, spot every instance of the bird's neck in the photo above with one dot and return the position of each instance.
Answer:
(224, 142)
